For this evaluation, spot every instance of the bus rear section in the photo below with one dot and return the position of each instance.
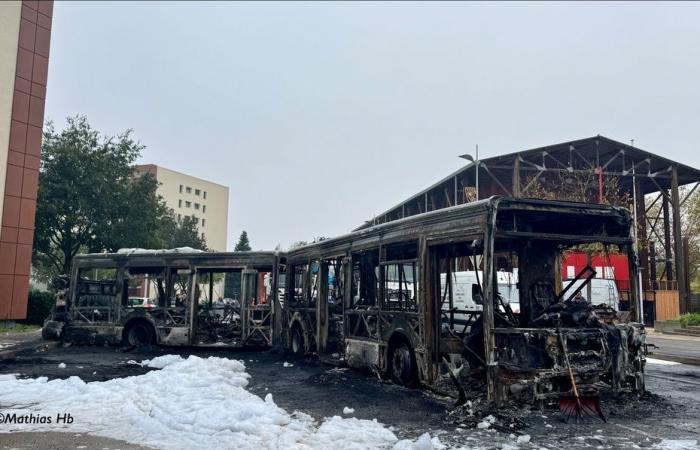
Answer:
(169, 297)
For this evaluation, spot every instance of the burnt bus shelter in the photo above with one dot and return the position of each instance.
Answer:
(650, 182)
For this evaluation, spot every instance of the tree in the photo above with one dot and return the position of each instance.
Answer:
(243, 244)
(174, 234)
(90, 201)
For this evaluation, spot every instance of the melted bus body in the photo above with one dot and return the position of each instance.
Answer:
(169, 297)
(386, 298)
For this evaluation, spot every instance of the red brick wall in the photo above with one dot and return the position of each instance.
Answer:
(17, 227)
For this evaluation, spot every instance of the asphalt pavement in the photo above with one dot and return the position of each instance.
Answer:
(683, 349)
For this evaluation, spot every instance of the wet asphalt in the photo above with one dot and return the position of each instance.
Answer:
(670, 411)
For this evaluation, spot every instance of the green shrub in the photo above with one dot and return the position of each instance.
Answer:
(39, 307)
(691, 319)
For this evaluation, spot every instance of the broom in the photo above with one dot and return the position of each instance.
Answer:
(578, 406)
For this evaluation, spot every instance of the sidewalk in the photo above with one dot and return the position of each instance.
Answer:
(682, 349)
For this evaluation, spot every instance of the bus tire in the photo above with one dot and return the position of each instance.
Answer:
(402, 364)
(296, 343)
(139, 334)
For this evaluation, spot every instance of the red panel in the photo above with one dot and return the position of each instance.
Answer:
(34, 4)
(28, 13)
(38, 90)
(18, 136)
(8, 253)
(6, 282)
(46, 7)
(30, 183)
(25, 236)
(31, 162)
(15, 158)
(36, 111)
(33, 140)
(24, 259)
(41, 69)
(13, 182)
(27, 34)
(9, 234)
(20, 107)
(43, 40)
(23, 85)
(20, 295)
(27, 213)
(10, 211)
(25, 62)
(44, 21)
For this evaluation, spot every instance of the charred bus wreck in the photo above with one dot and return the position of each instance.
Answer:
(168, 297)
(474, 291)
(420, 297)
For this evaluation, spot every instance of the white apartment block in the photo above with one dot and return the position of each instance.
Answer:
(207, 202)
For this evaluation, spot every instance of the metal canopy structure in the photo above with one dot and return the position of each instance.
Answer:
(638, 173)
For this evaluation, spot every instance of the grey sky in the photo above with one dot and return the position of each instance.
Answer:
(319, 115)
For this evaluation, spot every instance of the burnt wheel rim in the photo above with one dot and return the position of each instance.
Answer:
(138, 335)
(296, 341)
(401, 364)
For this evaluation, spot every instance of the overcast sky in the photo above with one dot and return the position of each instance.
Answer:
(320, 115)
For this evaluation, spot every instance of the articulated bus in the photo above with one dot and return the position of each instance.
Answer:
(388, 299)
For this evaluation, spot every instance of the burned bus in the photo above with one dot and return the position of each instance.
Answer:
(383, 299)
(168, 297)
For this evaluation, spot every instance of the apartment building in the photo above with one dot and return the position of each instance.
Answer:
(205, 201)
(25, 35)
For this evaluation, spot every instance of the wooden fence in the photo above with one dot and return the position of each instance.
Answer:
(667, 305)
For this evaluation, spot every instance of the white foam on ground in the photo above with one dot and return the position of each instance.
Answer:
(662, 362)
(188, 403)
(678, 444)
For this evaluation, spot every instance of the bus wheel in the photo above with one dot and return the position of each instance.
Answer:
(403, 365)
(140, 334)
(297, 343)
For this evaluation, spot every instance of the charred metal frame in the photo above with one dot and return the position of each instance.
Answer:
(171, 324)
(488, 223)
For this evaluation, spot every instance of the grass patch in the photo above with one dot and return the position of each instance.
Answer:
(19, 328)
(690, 320)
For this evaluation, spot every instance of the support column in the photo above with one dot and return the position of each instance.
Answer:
(642, 241)
(516, 177)
(668, 267)
(678, 241)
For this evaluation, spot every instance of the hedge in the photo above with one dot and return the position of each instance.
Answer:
(39, 307)
(691, 319)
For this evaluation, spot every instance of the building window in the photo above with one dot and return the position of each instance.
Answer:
(205, 194)
(196, 219)
(188, 190)
(179, 218)
(179, 203)
(204, 221)
(180, 189)
(203, 236)
(204, 208)
(188, 204)
(196, 192)
(196, 206)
